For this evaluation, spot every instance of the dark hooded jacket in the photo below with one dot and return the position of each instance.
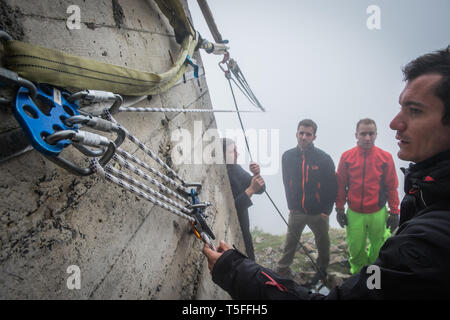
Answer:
(412, 264)
(240, 180)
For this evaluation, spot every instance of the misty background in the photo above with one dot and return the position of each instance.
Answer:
(319, 60)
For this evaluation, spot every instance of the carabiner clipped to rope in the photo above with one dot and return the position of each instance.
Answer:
(82, 138)
(99, 124)
(200, 227)
(95, 96)
(226, 57)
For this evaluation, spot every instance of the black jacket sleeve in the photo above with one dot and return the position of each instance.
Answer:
(261, 191)
(242, 278)
(242, 201)
(285, 175)
(413, 264)
(328, 185)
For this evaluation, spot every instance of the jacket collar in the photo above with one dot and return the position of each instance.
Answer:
(427, 186)
(430, 162)
(367, 151)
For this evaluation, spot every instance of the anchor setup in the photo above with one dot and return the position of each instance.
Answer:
(52, 118)
(52, 121)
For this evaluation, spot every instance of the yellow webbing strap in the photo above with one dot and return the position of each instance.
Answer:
(57, 68)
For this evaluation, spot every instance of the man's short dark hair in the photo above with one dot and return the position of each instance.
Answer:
(308, 123)
(366, 121)
(437, 62)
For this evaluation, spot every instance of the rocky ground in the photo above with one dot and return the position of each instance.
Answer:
(268, 250)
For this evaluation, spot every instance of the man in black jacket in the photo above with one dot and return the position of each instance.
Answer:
(310, 186)
(415, 262)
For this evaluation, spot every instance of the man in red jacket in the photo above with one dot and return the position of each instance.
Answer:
(366, 179)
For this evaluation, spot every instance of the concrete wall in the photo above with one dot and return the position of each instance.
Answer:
(126, 247)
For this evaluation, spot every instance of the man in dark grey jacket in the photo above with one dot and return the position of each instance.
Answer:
(310, 185)
(415, 262)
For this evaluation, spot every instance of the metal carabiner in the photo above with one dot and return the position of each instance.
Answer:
(197, 185)
(201, 206)
(12, 79)
(200, 227)
(95, 96)
(98, 124)
(202, 235)
(82, 137)
(226, 57)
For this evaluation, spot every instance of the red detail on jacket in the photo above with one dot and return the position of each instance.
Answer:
(428, 178)
(360, 176)
(304, 177)
(317, 192)
(273, 283)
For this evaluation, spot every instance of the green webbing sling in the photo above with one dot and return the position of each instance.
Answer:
(57, 68)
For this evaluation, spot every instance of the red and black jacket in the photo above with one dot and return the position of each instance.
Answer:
(367, 180)
(309, 180)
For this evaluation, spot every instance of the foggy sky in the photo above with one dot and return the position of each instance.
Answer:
(318, 60)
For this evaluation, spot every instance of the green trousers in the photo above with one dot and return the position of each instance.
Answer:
(363, 226)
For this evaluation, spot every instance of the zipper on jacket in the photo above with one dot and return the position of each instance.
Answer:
(303, 182)
(363, 177)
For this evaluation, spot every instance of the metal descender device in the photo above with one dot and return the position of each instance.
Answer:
(200, 227)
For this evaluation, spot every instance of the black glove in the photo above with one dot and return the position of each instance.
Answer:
(341, 218)
(392, 222)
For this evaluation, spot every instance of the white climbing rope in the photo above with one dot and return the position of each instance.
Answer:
(145, 176)
(144, 148)
(97, 168)
(145, 109)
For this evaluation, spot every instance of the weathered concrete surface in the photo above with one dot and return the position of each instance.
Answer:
(125, 247)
